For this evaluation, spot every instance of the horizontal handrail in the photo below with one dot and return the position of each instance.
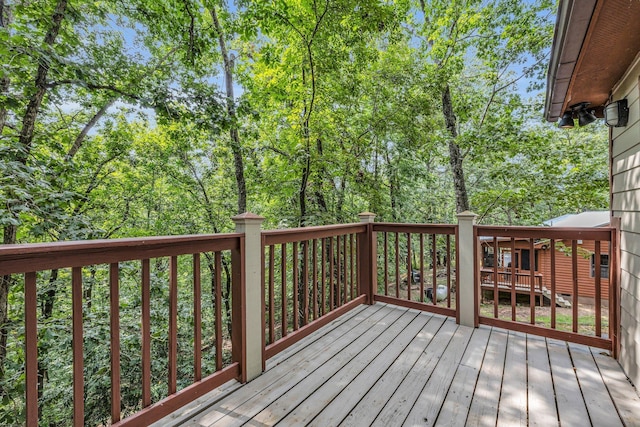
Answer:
(25, 258)
(415, 228)
(600, 233)
(275, 237)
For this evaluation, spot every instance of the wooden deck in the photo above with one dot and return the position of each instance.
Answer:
(389, 366)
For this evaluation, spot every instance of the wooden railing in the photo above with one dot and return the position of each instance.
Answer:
(510, 278)
(311, 276)
(416, 265)
(153, 270)
(561, 255)
(269, 289)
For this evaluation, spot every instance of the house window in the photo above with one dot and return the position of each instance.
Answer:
(604, 266)
(488, 257)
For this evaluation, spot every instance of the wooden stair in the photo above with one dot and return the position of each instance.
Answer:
(559, 300)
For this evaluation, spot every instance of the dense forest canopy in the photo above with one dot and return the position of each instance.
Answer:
(128, 118)
(154, 117)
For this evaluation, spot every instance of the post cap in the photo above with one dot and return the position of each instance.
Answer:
(247, 217)
(366, 216)
(467, 215)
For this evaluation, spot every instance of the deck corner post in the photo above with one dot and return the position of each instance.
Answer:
(247, 298)
(467, 299)
(367, 258)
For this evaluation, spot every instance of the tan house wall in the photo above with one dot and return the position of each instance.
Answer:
(625, 203)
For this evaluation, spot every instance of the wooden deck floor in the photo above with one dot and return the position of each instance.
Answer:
(383, 365)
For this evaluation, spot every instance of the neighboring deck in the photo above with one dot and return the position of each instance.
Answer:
(385, 365)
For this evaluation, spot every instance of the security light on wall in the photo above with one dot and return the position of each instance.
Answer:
(616, 114)
(577, 111)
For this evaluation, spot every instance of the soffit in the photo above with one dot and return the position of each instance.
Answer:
(594, 44)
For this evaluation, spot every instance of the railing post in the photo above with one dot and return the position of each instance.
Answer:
(614, 287)
(247, 306)
(367, 258)
(467, 304)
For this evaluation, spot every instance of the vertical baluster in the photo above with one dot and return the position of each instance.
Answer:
(314, 292)
(397, 265)
(331, 276)
(345, 282)
(173, 324)
(114, 308)
(409, 267)
(352, 261)
(305, 280)
(386, 263)
(338, 293)
(324, 275)
(421, 267)
(513, 280)
(574, 275)
(197, 319)
(31, 348)
(294, 274)
(78, 359)
(598, 289)
(552, 246)
(146, 333)
(448, 261)
(434, 262)
(532, 276)
(272, 310)
(496, 294)
(283, 287)
(218, 281)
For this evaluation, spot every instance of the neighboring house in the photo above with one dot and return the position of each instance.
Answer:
(595, 60)
(520, 259)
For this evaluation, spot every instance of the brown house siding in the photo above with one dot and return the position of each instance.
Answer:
(564, 270)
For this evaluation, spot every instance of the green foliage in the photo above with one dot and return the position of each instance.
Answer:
(339, 111)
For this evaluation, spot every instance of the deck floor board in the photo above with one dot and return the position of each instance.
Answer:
(386, 365)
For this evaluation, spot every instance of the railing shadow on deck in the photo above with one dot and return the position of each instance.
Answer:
(269, 289)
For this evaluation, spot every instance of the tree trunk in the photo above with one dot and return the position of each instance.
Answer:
(231, 111)
(455, 155)
(31, 113)
(4, 81)
(25, 139)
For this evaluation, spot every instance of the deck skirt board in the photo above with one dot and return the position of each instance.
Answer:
(385, 365)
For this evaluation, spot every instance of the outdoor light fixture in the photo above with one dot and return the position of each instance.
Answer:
(585, 117)
(616, 114)
(567, 120)
(577, 110)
